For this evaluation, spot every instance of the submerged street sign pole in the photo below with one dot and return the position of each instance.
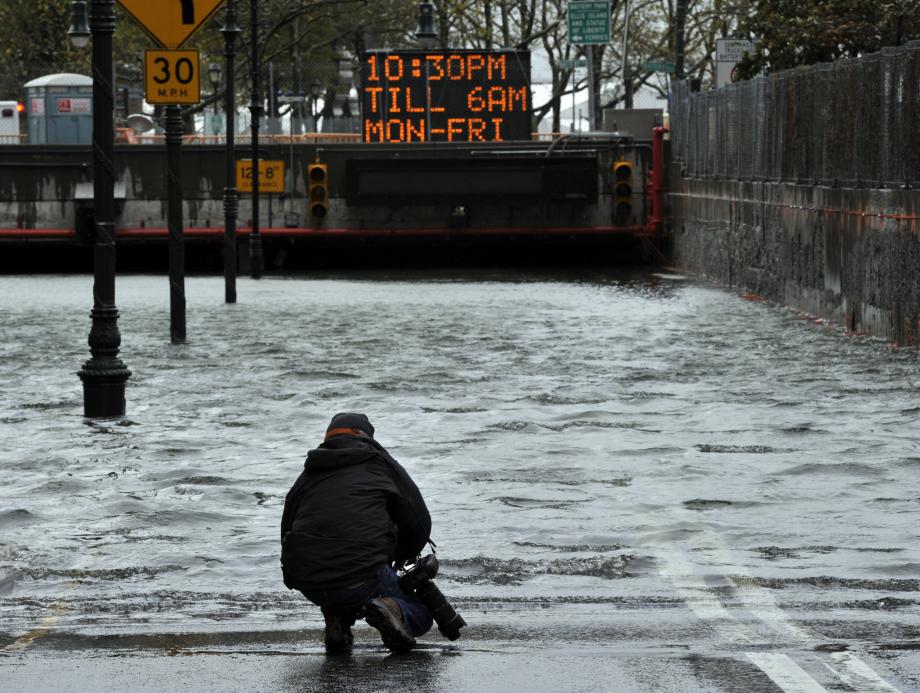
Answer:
(255, 111)
(171, 24)
(173, 77)
(104, 374)
(176, 226)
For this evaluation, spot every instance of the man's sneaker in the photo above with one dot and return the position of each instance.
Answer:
(337, 637)
(385, 615)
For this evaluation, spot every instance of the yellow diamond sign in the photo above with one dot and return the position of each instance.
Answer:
(171, 22)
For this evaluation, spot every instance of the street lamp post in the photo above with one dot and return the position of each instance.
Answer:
(79, 27)
(231, 199)
(104, 375)
(255, 111)
(425, 34)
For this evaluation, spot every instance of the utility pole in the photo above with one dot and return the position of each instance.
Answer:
(175, 223)
(627, 76)
(231, 198)
(680, 27)
(255, 111)
(592, 96)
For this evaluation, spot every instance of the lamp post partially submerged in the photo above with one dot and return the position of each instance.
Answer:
(104, 374)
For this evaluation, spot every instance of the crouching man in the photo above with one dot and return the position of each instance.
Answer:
(350, 517)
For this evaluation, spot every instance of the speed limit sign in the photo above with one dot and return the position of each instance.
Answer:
(172, 77)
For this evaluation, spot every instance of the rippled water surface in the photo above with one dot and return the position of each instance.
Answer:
(569, 434)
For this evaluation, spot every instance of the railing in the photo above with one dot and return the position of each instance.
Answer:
(850, 123)
(128, 136)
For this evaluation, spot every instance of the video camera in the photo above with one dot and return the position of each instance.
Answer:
(419, 579)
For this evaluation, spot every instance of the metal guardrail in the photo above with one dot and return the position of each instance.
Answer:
(845, 124)
(128, 136)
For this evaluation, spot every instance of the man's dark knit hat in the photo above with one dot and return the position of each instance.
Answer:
(351, 420)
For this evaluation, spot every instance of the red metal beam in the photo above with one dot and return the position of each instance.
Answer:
(25, 234)
(655, 223)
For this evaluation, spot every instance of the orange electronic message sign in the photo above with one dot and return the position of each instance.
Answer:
(446, 96)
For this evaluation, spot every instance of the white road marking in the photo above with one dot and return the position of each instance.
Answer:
(44, 627)
(785, 673)
(695, 593)
(760, 602)
(858, 675)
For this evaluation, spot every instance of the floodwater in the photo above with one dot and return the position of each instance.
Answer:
(579, 440)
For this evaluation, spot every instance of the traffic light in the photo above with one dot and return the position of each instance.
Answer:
(318, 193)
(622, 191)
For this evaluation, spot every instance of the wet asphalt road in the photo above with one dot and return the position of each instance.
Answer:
(638, 483)
(640, 648)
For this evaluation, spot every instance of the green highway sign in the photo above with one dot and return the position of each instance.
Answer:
(589, 22)
(659, 66)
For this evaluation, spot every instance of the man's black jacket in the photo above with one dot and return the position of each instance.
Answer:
(352, 509)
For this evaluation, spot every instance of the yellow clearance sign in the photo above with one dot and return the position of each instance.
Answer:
(271, 176)
(172, 77)
(170, 22)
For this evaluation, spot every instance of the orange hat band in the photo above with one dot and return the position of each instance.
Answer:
(344, 432)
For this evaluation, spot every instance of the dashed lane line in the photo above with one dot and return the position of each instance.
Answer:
(858, 675)
(785, 673)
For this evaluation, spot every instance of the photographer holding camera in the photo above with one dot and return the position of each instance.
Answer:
(350, 517)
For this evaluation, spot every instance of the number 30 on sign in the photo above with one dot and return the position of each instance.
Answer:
(172, 77)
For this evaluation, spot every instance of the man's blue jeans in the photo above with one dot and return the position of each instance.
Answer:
(347, 603)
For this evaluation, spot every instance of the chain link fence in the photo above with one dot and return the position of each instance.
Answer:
(851, 123)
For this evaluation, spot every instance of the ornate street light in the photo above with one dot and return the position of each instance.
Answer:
(214, 75)
(425, 33)
(214, 78)
(104, 374)
(79, 27)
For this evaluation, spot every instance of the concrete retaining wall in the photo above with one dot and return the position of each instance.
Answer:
(847, 255)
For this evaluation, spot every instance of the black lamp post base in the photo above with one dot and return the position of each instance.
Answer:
(103, 400)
